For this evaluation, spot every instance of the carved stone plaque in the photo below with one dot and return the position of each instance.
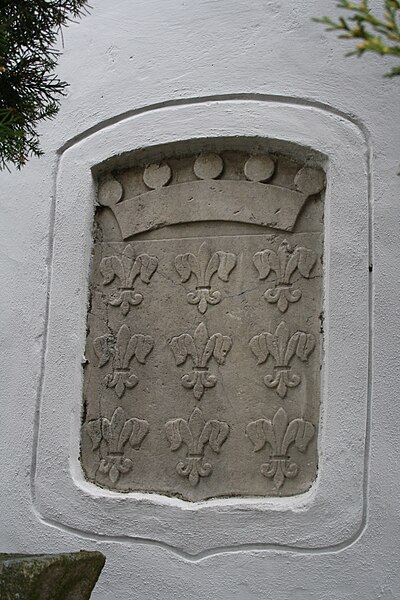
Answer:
(204, 326)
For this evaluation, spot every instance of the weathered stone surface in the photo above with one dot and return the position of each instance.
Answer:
(203, 342)
(49, 576)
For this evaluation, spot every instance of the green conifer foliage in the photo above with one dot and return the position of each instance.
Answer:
(372, 34)
(30, 91)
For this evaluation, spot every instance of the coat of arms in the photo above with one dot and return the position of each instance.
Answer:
(204, 327)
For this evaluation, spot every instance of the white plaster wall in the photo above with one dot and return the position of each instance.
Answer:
(128, 55)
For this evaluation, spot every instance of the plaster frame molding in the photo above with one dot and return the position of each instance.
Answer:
(333, 512)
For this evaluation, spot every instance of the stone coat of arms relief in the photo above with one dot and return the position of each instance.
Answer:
(204, 327)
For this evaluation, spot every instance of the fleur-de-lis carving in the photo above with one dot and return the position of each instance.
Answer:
(123, 349)
(201, 348)
(204, 266)
(282, 347)
(196, 434)
(127, 269)
(280, 434)
(284, 263)
(116, 433)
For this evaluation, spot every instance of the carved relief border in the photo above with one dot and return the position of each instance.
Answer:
(347, 198)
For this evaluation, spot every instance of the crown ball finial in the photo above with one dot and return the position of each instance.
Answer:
(157, 176)
(208, 166)
(309, 181)
(259, 168)
(110, 192)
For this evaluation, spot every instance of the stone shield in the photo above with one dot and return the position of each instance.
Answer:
(204, 326)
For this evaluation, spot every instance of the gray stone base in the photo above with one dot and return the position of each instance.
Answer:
(49, 576)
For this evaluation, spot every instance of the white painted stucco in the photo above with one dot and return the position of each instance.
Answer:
(178, 70)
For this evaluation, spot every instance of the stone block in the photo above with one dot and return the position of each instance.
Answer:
(49, 576)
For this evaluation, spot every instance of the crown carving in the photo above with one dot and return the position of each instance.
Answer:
(208, 196)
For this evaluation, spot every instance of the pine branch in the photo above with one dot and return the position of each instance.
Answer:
(30, 91)
(381, 36)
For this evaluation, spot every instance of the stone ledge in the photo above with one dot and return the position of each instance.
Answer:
(49, 576)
